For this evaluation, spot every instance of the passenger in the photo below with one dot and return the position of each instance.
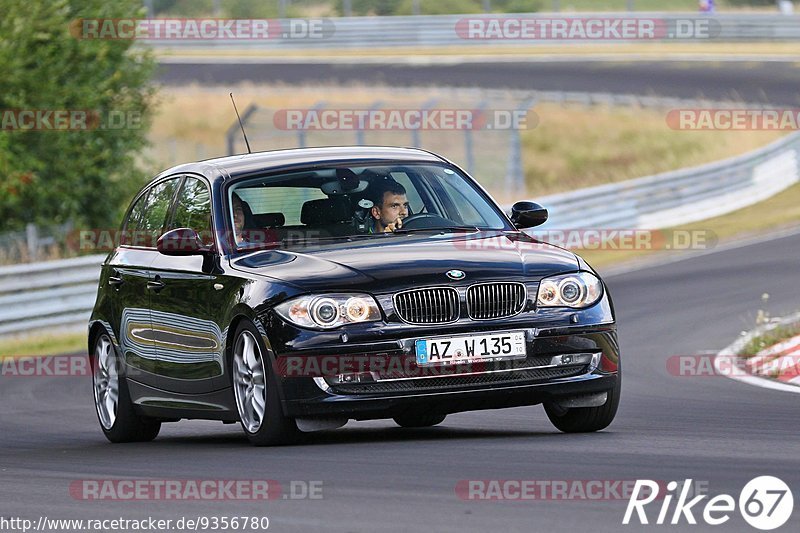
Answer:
(238, 218)
(390, 206)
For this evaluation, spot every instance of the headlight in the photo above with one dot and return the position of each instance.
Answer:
(329, 310)
(578, 290)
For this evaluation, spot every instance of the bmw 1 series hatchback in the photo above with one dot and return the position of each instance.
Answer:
(294, 290)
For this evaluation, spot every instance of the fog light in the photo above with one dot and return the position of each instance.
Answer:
(357, 377)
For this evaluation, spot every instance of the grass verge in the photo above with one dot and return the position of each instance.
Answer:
(565, 146)
(769, 338)
(56, 343)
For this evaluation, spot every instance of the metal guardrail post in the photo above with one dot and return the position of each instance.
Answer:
(515, 172)
(301, 133)
(469, 151)
(360, 137)
(32, 239)
(416, 134)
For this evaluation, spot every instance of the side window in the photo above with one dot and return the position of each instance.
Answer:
(285, 200)
(130, 235)
(155, 210)
(193, 209)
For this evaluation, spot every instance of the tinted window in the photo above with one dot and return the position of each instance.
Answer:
(146, 224)
(285, 200)
(134, 220)
(307, 206)
(193, 209)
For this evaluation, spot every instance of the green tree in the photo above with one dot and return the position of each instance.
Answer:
(83, 176)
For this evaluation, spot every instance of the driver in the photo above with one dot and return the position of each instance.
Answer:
(390, 206)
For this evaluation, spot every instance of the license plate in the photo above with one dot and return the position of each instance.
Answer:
(471, 348)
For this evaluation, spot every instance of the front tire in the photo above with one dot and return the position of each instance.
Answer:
(255, 389)
(586, 419)
(118, 419)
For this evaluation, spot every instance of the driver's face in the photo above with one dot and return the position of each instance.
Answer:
(394, 206)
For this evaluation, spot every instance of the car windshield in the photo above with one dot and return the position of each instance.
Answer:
(357, 202)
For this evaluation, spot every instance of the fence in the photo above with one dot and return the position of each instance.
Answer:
(494, 154)
(417, 6)
(482, 148)
(33, 244)
(432, 31)
(49, 294)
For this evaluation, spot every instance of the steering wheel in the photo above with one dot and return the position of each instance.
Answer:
(425, 220)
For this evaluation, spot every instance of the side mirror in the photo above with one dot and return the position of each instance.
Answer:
(181, 241)
(528, 214)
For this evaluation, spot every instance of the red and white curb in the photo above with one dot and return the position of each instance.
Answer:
(780, 362)
(775, 368)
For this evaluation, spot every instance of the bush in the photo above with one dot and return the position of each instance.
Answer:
(82, 176)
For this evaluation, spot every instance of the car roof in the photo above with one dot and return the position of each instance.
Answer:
(248, 164)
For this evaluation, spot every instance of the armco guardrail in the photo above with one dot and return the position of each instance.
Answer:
(682, 196)
(40, 296)
(61, 293)
(432, 31)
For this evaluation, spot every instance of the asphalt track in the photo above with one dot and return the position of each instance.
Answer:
(377, 477)
(773, 82)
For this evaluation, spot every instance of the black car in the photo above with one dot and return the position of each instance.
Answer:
(295, 290)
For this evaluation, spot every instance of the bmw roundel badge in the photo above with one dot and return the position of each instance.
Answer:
(456, 274)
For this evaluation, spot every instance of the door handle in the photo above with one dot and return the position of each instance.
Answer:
(115, 281)
(156, 285)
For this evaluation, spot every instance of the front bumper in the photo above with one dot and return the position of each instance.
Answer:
(561, 362)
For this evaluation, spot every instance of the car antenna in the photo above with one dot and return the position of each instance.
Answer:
(241, 125)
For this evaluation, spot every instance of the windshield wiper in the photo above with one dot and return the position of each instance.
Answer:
(443, 228)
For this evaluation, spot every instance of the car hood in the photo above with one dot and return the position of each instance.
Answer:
(412, 260)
